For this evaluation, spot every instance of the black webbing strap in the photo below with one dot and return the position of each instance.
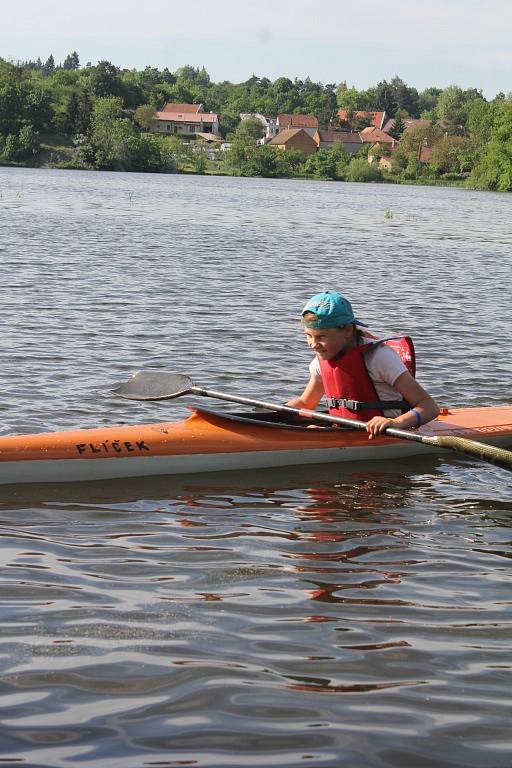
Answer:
(362, 405)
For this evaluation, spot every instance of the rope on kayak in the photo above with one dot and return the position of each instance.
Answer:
(499, 456)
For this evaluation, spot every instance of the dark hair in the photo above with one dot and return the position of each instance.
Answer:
(310, 317)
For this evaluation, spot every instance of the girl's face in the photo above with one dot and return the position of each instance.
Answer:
(329, 342)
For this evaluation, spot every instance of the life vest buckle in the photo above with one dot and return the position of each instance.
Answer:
(351, 405)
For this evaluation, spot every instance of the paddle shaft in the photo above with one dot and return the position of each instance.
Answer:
(303, 412)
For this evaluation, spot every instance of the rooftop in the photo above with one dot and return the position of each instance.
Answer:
(377, 118)
(183, 108)
(298, 121)
(343, 136)
(283, 136)
(201, 117)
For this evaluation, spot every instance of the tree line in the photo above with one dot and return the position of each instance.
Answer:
(104, 112)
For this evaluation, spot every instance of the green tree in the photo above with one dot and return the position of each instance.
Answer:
(359, 169)
(104, 80)
(352, 99)
(323, 164)
(481, 115)
(23, 102)
(192, 75)
(178, 93)
(317, 99)
(110, 134)
(228, 123)
(454, 154)
(410, 142)
(386, 98)
(249, 130)
(242, 140)
(414, 169)
(49, 66)
(11, 148)
(199, 156)
(406, 98)
(347, 98)
(37, 109)
(71, 61)
(427, 102)
(131, 89)
(28, 142)
(173, 153)
(289, 162)
(494, 169)
(11, 108)
(342, 161)
(234, 157)
(140, 153)
(260, 161)
(284, 95)
(398, 126)
(452, 108)
(77, 112)
(144, 115)
(64, 78)
(150, 77)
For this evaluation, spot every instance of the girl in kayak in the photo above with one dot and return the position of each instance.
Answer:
(362, 377)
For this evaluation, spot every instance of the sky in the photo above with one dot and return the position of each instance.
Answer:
(466, 42)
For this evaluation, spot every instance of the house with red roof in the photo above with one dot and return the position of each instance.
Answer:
(376, 119)
(380, 145)
(409, 123)
(189, 109)
(371, 135)
(308, 123)
(186, 120)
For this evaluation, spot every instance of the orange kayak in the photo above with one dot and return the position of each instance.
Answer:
(209, 441)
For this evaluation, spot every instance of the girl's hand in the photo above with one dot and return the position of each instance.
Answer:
(377, 425)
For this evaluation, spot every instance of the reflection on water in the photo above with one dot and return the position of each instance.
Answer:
(183, 621)
(341, 616)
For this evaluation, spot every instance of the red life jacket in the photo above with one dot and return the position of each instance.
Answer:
(348, 387)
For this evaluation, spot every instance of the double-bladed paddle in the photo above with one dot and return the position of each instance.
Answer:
(164, 385)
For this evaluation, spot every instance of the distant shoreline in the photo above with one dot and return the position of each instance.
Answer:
(461, 184)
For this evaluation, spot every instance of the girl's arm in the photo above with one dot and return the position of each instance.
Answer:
(311, 396)
(423, 407)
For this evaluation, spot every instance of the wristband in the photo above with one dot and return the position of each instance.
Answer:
(419, 420)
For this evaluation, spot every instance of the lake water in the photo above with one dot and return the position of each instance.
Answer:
(355, 615)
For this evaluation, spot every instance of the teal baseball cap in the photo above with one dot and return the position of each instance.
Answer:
(332, 310)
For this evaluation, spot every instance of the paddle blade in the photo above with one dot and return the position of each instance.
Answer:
(154, 385)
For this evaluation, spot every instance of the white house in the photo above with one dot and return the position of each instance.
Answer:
(185, 120)
(268, 123)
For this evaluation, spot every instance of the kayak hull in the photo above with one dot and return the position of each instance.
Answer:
(76, 470)
(209, 441)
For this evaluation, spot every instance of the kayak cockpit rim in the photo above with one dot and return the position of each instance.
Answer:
(271, 419)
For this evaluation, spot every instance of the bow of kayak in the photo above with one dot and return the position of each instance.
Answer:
(210, 441)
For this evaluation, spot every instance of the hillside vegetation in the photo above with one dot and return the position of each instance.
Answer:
(73, 116)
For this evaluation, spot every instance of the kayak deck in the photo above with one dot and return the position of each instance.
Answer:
(209, 440)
